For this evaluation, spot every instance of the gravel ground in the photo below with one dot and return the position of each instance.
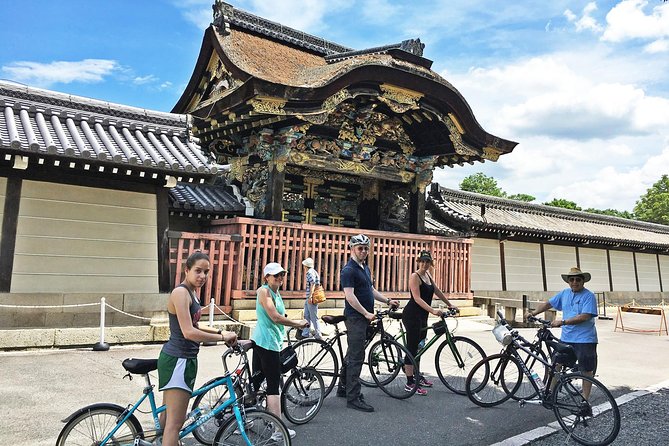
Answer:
(644, 421)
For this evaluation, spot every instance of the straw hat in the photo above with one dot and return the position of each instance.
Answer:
(308, 262)
(576, 272)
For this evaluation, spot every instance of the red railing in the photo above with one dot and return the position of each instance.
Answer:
(237, 262)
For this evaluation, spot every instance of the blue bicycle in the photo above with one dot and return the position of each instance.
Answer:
(110, 424)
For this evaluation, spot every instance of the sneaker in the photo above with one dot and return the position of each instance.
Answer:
(276, 436)
(299, 335)
(425, 383)
(419, 390)
(359, 404)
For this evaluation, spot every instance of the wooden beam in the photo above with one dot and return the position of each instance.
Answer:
(162, 223)
(10, 221)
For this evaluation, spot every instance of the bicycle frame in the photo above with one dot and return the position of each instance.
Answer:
(155, 411)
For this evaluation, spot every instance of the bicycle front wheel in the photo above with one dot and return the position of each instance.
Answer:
(319, 355)
(302, 396)
(454, 362)
(586, 410)
(261, 428)
(386, 365)
(211, 399)
(493, 380)
(93, 425)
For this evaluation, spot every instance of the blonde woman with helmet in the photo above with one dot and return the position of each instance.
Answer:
(269, 332)
(416, 312)
(310, 309)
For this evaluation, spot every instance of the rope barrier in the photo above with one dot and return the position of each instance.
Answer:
(128, 314)
(48, 306)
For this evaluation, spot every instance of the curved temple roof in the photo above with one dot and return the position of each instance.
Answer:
(483, 213)
(46, 123)
(205, 199)
(252, 72)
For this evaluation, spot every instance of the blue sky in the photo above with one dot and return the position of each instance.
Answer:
(582, 86)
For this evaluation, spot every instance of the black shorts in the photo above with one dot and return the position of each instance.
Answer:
(586, 355)
(268, 362)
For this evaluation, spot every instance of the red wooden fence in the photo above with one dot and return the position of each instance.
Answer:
(240, 247)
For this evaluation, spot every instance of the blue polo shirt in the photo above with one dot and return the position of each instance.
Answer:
(360, 279)
(572, 304)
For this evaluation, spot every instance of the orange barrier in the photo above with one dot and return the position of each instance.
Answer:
(657, 311)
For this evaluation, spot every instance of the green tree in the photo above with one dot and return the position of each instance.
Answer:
(612, 212)
(562, 203)
(482, 184)
(522, 197)
(653, 206)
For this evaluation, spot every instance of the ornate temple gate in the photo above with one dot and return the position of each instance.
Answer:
(242, 246)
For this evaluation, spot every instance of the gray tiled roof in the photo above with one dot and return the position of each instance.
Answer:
(41, 122)
(435, 226)
(484, 213)
(205, 198)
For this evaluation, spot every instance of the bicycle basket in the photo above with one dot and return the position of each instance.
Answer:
(288, 359)
(502, 334)
(439, 328)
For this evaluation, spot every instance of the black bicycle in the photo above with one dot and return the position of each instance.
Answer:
(383, 361)
(583, 406)
(302, 393)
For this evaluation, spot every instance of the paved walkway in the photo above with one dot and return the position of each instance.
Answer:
(49, 385)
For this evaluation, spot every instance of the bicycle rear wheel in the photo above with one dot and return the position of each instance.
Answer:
(319, 355)
(386, 364)
(493, 380)
(93, 425)
(302, 396)
(211, 399)
(261, 428)
(592, 419)
(452, 370)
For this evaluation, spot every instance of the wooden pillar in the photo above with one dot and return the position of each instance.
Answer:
(10, 222)
(417, 212)
(274, 207)
(165, 280)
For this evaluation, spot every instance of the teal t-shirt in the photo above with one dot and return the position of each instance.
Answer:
(268, 334)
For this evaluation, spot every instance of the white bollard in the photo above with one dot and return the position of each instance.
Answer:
(102, 346)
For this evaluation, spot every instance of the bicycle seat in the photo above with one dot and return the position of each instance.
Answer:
(140, 366)
(246, 345)
(334, 320)
(395, 314)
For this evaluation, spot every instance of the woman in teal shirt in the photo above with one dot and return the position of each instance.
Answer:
(269, 332)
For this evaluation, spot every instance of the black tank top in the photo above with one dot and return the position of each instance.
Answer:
(426, 293)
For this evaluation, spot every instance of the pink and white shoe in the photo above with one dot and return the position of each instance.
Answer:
(425, 383)
(419, 390)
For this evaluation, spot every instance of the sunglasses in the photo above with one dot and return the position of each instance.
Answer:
(362, 248)
(576, 279)
(279, 275)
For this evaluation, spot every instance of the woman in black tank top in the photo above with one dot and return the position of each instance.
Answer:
(416, 312)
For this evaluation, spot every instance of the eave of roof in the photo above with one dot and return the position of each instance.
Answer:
(36, 123)
(205, 199)
(484, 213)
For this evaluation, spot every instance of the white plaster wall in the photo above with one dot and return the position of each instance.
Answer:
(559, 259)
(622, 271)
(523, 266)
(486, 265)
(594, 262)
(646, 265)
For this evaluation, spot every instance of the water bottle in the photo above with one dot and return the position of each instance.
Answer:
(421, 344)
(537, 379)
(193, 415)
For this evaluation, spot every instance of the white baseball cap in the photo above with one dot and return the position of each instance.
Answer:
(272, 269)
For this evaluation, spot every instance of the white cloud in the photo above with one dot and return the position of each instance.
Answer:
(586, 21)
(47, 74)
(658, 46)
(141, 80)
(627, 20)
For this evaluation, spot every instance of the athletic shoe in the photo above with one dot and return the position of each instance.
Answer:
(299, 335)
(276, 436)
(419, 390)
(425, 383)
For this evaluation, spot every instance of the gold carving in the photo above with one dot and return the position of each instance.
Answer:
(455, 136)
(270, 106)
(238, 167)
(457, 124)
(407, 177)
(354, 167)
(318, 118)
(490, 153)
(333, 101)
(400, 100)
(299, 157)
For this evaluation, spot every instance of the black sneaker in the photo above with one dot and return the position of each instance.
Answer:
(359, 404)
(299, 335)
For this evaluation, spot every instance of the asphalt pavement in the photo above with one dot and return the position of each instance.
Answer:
(39, 388)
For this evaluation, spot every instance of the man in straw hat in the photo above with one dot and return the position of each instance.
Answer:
(579, 311)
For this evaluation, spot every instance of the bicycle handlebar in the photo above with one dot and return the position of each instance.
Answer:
(543, 322)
